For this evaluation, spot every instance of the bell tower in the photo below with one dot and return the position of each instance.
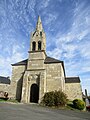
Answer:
(34, 80)
(37, 52)
(38, 39)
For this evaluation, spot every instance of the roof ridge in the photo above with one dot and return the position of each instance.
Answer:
(23, 62)
(72, 77)
(53, 58)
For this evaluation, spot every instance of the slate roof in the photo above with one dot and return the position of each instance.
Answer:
(51, 60)
(4, 80)
(72, 80)
(47, 61)
(24, 62)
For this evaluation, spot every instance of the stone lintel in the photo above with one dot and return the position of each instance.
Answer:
(34, 69)
(35, 59)
(37, 51)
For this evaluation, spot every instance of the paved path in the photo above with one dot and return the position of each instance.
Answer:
(34, 112)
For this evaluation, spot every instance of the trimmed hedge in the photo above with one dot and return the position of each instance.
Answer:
(54, 98)
(78, 104)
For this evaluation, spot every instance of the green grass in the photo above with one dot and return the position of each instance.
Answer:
(12, 100)
(9, 100)
(2, 100)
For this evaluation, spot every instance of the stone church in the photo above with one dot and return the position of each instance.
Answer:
(33, 77)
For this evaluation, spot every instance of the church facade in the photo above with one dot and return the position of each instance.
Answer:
(33, 77)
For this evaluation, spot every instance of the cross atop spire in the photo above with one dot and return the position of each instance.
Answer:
(39, 25)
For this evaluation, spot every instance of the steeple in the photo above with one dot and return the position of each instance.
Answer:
(38, 38)
(39, 25)
(37, 53)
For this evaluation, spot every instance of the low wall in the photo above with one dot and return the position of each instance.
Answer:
(6, 88)
(73, 91)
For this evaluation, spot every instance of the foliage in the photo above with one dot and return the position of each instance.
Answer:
(60, 98)
(78, 104)
(54, 98)
(48, 99)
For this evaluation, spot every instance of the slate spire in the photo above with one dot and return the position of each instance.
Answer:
(39, 25)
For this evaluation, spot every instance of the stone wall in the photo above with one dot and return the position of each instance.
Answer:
(17, 80)
(73, 91)
(54, 77)
(36, 60)
(6, 88)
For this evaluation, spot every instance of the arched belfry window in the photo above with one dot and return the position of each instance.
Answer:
(33, 46)
(41, 34)
(39, 45)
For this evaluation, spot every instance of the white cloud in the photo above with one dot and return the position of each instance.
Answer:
(56, 53)
(84, 50)
(16, 55)
(43, 4)
(46, 3)
(49, 19)
(79, 30)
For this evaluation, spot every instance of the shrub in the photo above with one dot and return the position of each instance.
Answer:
(54, 98)
(60, 98)
(78, 104)
(48, 99)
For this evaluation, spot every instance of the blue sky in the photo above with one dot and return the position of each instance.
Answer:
(67, 27)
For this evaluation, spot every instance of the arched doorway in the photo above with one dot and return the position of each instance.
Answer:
(34, 93)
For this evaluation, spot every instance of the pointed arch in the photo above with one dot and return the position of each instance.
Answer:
(33, 46)
(34, 93)
(39, 45)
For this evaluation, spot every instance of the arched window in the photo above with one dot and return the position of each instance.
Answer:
(39, 45)
(33, 46)
(41, 34)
